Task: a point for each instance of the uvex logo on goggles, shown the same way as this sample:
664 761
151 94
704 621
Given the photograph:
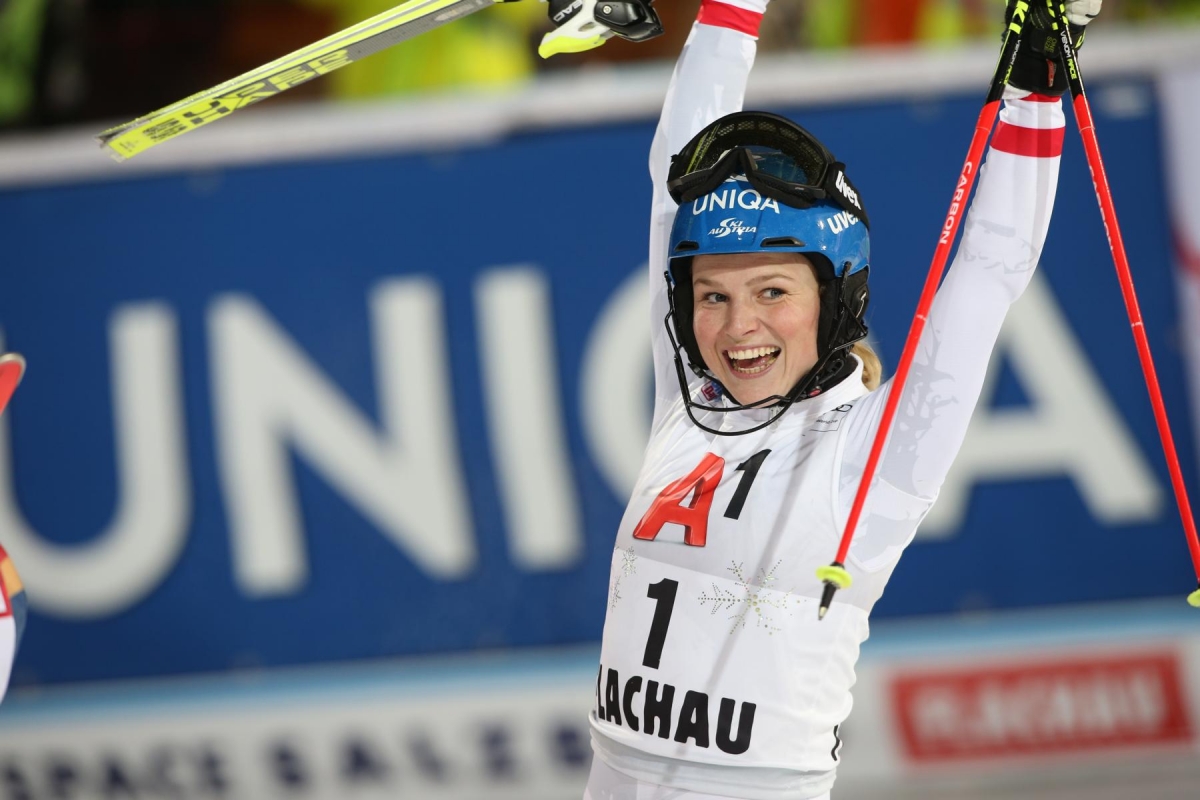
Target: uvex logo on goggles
843 185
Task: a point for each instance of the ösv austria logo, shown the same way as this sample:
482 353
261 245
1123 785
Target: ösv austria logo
731 225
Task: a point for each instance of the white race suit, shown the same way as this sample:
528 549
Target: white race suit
716 676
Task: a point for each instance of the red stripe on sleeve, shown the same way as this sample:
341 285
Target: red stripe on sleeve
723 15
1036 142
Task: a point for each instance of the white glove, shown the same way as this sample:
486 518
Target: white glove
1081 12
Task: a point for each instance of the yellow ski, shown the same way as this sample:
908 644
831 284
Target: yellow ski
354 43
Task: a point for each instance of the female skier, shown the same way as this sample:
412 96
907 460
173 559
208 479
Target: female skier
717 680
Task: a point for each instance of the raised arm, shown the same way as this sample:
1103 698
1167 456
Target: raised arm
1002 241
709 82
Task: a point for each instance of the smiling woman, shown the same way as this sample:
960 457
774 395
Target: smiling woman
755 321
795 207
767 402
780 303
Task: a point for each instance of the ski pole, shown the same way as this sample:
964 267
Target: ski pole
835 575
1091 146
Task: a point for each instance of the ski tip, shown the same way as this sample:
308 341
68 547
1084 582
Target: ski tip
1194 598
113 154
104 140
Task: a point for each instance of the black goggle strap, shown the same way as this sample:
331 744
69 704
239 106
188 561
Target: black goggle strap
839 188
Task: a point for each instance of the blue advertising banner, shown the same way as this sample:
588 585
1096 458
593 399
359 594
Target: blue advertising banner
389 405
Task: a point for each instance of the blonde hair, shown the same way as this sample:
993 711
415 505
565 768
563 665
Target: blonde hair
872 374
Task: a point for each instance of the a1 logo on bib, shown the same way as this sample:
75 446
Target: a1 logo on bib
688 501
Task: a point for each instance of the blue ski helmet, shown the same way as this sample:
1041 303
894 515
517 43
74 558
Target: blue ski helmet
754 182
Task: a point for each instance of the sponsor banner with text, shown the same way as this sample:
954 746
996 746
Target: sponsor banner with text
333 735
324 411
516 726
1042 706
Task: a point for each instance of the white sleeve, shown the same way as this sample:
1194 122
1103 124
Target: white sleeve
709 82
1002 241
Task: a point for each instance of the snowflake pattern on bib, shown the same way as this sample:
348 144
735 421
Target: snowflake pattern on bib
758 597
628 567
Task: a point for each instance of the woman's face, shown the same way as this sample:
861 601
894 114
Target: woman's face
755 319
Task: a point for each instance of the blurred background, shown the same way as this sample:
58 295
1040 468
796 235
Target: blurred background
333 407
66 61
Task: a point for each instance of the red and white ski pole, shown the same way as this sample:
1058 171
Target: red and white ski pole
1087 130
835 575
12 369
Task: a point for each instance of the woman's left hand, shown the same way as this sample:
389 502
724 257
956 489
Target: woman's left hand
1036 67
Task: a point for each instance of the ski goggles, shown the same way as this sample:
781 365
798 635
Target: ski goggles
773 154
